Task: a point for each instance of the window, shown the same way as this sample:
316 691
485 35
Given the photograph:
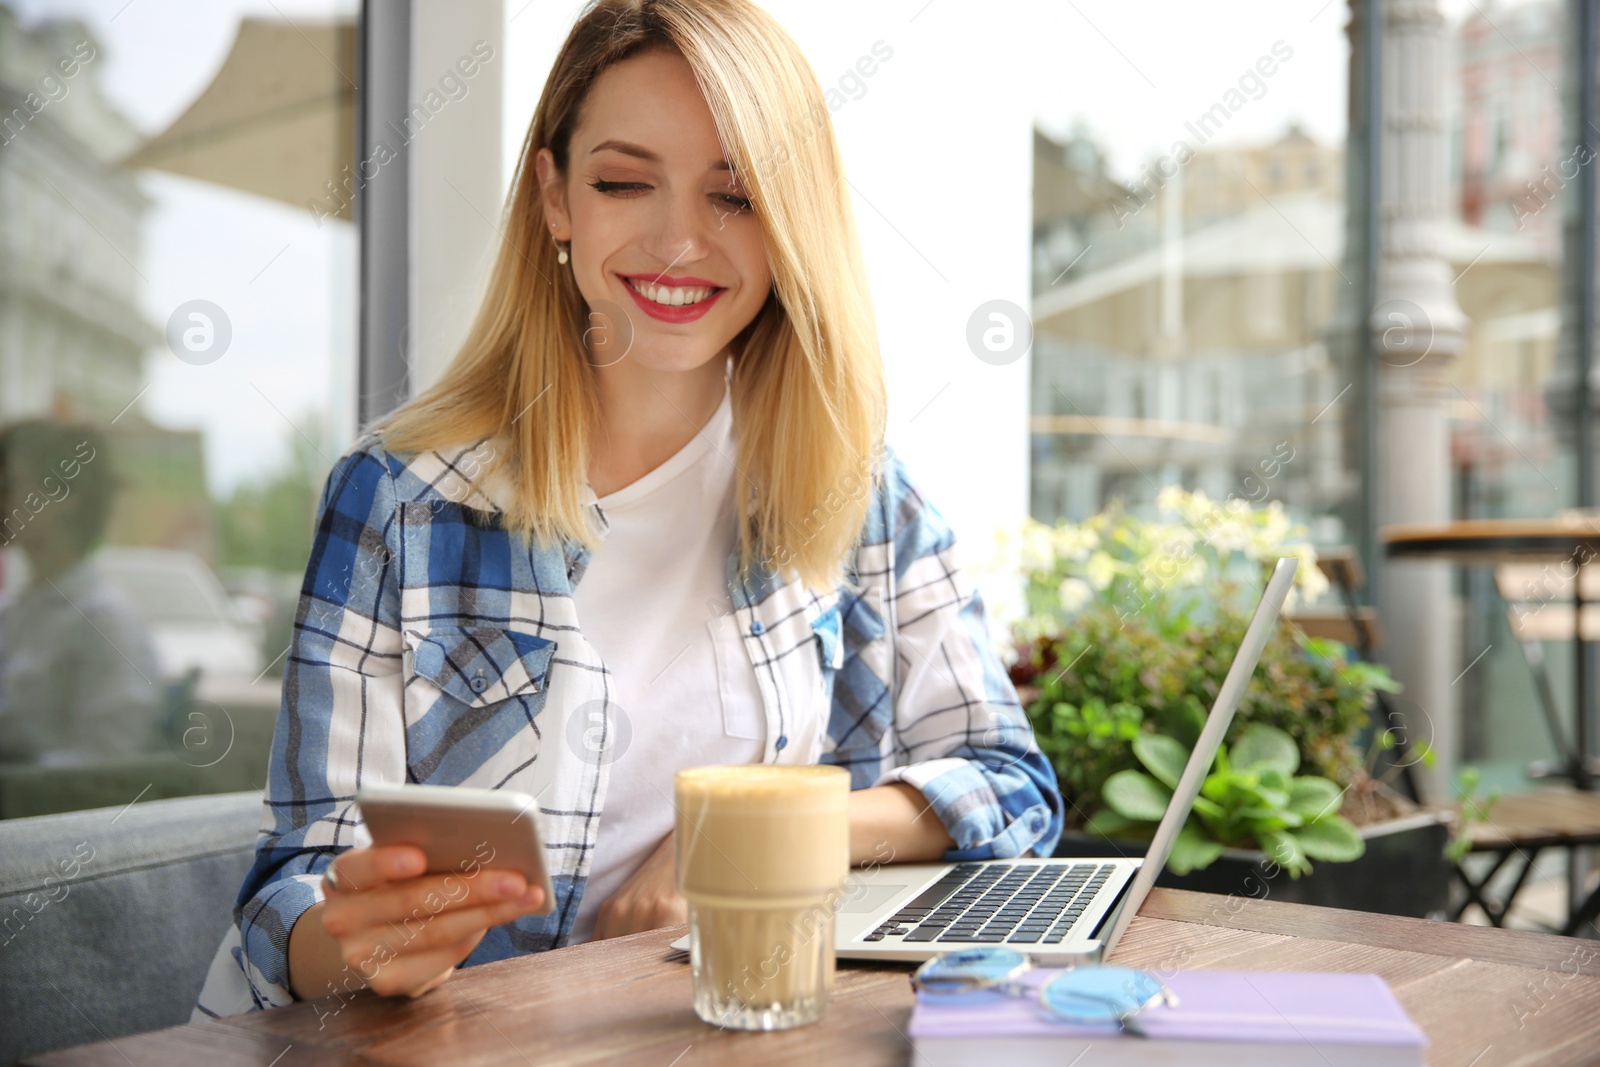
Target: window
176 354
1511 410
1205 258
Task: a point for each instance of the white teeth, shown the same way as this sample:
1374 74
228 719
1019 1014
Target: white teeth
668 296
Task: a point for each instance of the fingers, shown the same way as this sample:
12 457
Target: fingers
361 869
416 937
420 898
403 931
415 975
414 993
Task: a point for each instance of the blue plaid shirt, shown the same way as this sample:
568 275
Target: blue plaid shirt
431 646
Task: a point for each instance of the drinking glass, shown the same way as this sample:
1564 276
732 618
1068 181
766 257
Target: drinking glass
762 855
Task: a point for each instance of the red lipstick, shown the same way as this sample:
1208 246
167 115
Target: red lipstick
685 313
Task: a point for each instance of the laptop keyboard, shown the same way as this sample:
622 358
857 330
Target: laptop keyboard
998 902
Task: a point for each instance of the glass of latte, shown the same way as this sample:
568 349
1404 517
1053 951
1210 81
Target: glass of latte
762 853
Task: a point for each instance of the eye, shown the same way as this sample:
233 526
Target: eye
600 185
626 190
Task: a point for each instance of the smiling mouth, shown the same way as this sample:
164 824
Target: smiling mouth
672 296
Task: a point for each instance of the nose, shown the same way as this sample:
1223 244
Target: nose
680 231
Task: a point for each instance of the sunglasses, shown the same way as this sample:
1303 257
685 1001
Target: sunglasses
1090 994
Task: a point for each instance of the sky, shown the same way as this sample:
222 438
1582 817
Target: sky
287 283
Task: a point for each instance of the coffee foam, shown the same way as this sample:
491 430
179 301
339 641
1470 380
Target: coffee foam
759 834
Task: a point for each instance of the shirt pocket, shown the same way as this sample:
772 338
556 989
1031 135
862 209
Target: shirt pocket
469 692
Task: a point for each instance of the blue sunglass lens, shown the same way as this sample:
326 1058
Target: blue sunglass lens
1100 994
970 967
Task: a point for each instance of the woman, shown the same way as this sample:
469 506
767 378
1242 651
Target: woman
532 576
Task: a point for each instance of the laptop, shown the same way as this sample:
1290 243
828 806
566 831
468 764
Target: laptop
1058 911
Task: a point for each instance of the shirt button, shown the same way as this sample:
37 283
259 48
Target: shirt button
478 684
783 739
757 629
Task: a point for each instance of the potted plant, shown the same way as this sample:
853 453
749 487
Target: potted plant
1128 627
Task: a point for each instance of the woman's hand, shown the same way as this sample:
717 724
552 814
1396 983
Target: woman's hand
647 900
403 931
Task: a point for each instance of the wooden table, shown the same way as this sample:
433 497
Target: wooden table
1485 997
1516 829
1491 540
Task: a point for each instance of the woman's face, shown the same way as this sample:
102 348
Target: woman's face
659 226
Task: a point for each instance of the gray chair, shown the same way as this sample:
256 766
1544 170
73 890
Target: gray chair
109 918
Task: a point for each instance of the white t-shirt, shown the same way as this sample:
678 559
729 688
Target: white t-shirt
654 603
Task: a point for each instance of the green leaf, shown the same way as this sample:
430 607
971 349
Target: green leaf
1333 838
1285 850
1134 795
1192 850
1162 756
1261 743
1206 807
1487 807
1369 676
1217 787
1107 823
1322 648
1188 723
1269 818
1271 778
1276 799
1314 798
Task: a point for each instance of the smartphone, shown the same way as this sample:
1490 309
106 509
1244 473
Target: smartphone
460 829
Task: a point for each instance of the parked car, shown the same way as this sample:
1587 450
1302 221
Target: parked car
193 622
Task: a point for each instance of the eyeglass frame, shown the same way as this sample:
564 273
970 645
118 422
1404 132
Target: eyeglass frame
1007 983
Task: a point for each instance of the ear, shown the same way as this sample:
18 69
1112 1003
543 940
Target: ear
553 192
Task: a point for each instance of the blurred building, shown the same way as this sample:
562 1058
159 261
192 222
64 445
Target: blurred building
1073 196
1510 182
1220 183
71 332
73 337
1187 341
1508 121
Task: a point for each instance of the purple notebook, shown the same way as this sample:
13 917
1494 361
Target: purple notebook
1234 1006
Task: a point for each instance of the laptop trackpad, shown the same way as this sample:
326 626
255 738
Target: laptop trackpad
868 898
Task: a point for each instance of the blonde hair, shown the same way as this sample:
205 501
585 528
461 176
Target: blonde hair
807 390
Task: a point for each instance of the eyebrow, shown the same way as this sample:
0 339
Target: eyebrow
641 152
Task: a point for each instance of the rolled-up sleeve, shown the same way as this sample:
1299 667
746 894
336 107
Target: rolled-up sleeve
340 725
963 738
